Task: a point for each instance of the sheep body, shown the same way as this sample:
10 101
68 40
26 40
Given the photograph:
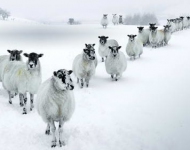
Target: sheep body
18 78
115 20
104 50
104 22
83 68
116 66
156 38
144 36
3 61
54 104
134 48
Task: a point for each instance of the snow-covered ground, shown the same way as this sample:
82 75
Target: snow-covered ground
148 109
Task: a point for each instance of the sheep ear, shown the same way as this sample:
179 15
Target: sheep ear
93 44
134 35
154 24
85 50
9 51
164 26
70 71
55 73
99 37
110 47
40 55
86 45
20 51
128 35
138 27
118 47
25 54
156 27
107 37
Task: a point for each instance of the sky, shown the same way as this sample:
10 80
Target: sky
61 10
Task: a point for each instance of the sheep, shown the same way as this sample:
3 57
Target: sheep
143 35
167 33
156 37
134 47
84 66
23 77
116 63
172 24
104 43
188 21
91 46
14 56
104 21
55 102
151 25
120 19
115 19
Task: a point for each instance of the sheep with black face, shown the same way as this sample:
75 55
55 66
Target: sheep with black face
120 19
104 44
143 35
84 66
167 34
134 47
14 55
116 63
23 77
55 103
104 21
156 37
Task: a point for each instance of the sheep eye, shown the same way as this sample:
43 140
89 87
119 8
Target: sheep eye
59 76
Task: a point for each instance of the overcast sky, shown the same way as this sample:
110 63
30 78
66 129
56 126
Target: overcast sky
61 10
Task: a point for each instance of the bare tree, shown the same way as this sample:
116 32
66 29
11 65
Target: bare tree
71 21
138 19
4 13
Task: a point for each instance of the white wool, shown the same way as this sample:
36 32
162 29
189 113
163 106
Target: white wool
144 36
83 68
134 48
104 22
104 49
3 62
115 20
116 65
17 77
53 103
167 36
156 38
173 26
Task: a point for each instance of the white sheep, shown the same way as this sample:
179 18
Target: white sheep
104 21
23 77
84 66
167 34
134 47
156 37
143 35
116 63
172 24
55 102
115 19
14 56
104 44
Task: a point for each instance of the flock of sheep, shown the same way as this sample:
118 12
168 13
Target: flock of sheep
55 100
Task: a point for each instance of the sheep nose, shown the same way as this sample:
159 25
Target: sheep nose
12 59
31 65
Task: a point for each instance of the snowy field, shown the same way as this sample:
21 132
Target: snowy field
148 109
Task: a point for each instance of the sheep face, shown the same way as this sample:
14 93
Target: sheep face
89 53
188 18
103 39
33 60
120 16
131 37
15 55
167 28
63 80
114 50
105 16
152 25
153 29
140 29
181 17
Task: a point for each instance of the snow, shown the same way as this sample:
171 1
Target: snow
147 109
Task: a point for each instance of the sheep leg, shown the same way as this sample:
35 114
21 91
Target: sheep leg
31 101
25 102
112 77
87 81
10 101
102 59
53 128
77 80
21 100
117 77
81 83
47 129
61 141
